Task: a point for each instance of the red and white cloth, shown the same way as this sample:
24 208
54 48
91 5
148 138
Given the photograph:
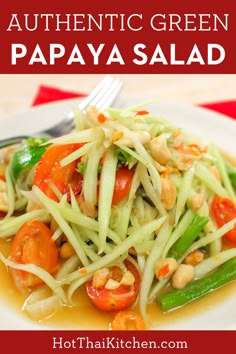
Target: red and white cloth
47 94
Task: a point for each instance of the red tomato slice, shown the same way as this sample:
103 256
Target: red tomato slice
123 319
49 171
2 214
118 299
33 245
224 210
124 177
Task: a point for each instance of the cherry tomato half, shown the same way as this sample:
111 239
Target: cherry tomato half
124 177
123 319
33 245
224 210
49 171
118 299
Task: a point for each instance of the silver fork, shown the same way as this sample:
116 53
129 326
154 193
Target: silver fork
102 96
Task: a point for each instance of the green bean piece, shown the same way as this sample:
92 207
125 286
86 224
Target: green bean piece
26 156
188 237
231 170
175 298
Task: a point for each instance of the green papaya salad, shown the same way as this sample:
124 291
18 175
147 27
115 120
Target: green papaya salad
127 207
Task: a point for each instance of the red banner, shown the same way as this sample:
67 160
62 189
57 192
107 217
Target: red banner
47 342
118 37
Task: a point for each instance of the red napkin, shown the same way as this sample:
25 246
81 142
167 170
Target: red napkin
225 107
49 94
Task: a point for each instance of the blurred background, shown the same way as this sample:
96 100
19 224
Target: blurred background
17 92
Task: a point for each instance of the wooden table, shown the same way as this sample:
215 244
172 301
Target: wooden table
17 91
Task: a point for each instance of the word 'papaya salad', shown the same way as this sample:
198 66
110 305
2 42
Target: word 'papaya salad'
128 207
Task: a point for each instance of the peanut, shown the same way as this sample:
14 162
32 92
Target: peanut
197 201
182 276
66 250
169 194
171 263
100 277
143 136
194 258
159 150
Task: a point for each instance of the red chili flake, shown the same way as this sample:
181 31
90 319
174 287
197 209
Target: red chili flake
163 271
102 118
142 113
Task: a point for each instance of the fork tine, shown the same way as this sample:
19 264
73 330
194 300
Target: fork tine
108 97
102 96
97 93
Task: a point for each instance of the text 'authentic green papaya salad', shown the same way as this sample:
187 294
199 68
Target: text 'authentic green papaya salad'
126 207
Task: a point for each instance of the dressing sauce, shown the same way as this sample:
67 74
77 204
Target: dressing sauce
86 316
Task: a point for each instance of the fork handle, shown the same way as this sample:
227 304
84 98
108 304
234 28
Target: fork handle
12 141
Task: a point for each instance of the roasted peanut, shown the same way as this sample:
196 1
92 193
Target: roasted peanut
143 136
184 162
169 194
66 250
100 277
197 201
165 267
112 284
159 150
127 279
182 276
194 258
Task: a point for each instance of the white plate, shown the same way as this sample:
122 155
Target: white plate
212 127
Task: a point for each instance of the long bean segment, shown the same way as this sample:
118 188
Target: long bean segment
225 274
223 172
231 171
189 236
